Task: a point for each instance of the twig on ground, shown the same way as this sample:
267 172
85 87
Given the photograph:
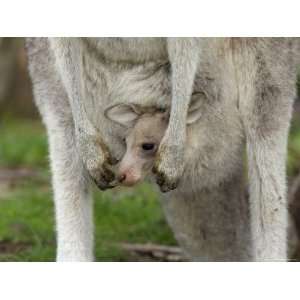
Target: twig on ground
160 252
14 174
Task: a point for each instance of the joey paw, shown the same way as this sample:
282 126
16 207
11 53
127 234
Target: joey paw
97 160
103 176
169 167
165 184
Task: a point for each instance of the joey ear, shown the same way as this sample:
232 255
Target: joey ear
123 114
194 112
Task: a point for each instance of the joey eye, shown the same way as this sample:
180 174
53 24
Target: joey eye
148 146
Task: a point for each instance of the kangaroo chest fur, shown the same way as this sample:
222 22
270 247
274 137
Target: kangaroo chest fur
129 50
128 70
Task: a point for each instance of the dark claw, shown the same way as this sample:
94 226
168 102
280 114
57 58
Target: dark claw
160 179
167 188
107 174
113 161
103 185
100 184
154 170
174 185
164 189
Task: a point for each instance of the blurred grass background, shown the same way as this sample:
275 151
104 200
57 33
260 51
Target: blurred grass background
27 230
26 207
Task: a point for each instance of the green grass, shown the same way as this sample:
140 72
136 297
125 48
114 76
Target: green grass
22 143
27 230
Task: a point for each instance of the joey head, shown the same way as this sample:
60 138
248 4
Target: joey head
145 129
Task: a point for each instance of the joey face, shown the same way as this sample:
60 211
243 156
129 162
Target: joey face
145 128
142 143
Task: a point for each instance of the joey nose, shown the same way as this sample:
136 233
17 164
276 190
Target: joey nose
121 178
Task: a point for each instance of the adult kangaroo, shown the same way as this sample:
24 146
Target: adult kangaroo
244 88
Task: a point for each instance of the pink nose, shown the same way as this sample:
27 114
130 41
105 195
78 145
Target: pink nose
128 178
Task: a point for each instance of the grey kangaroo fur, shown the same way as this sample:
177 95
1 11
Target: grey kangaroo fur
245 89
